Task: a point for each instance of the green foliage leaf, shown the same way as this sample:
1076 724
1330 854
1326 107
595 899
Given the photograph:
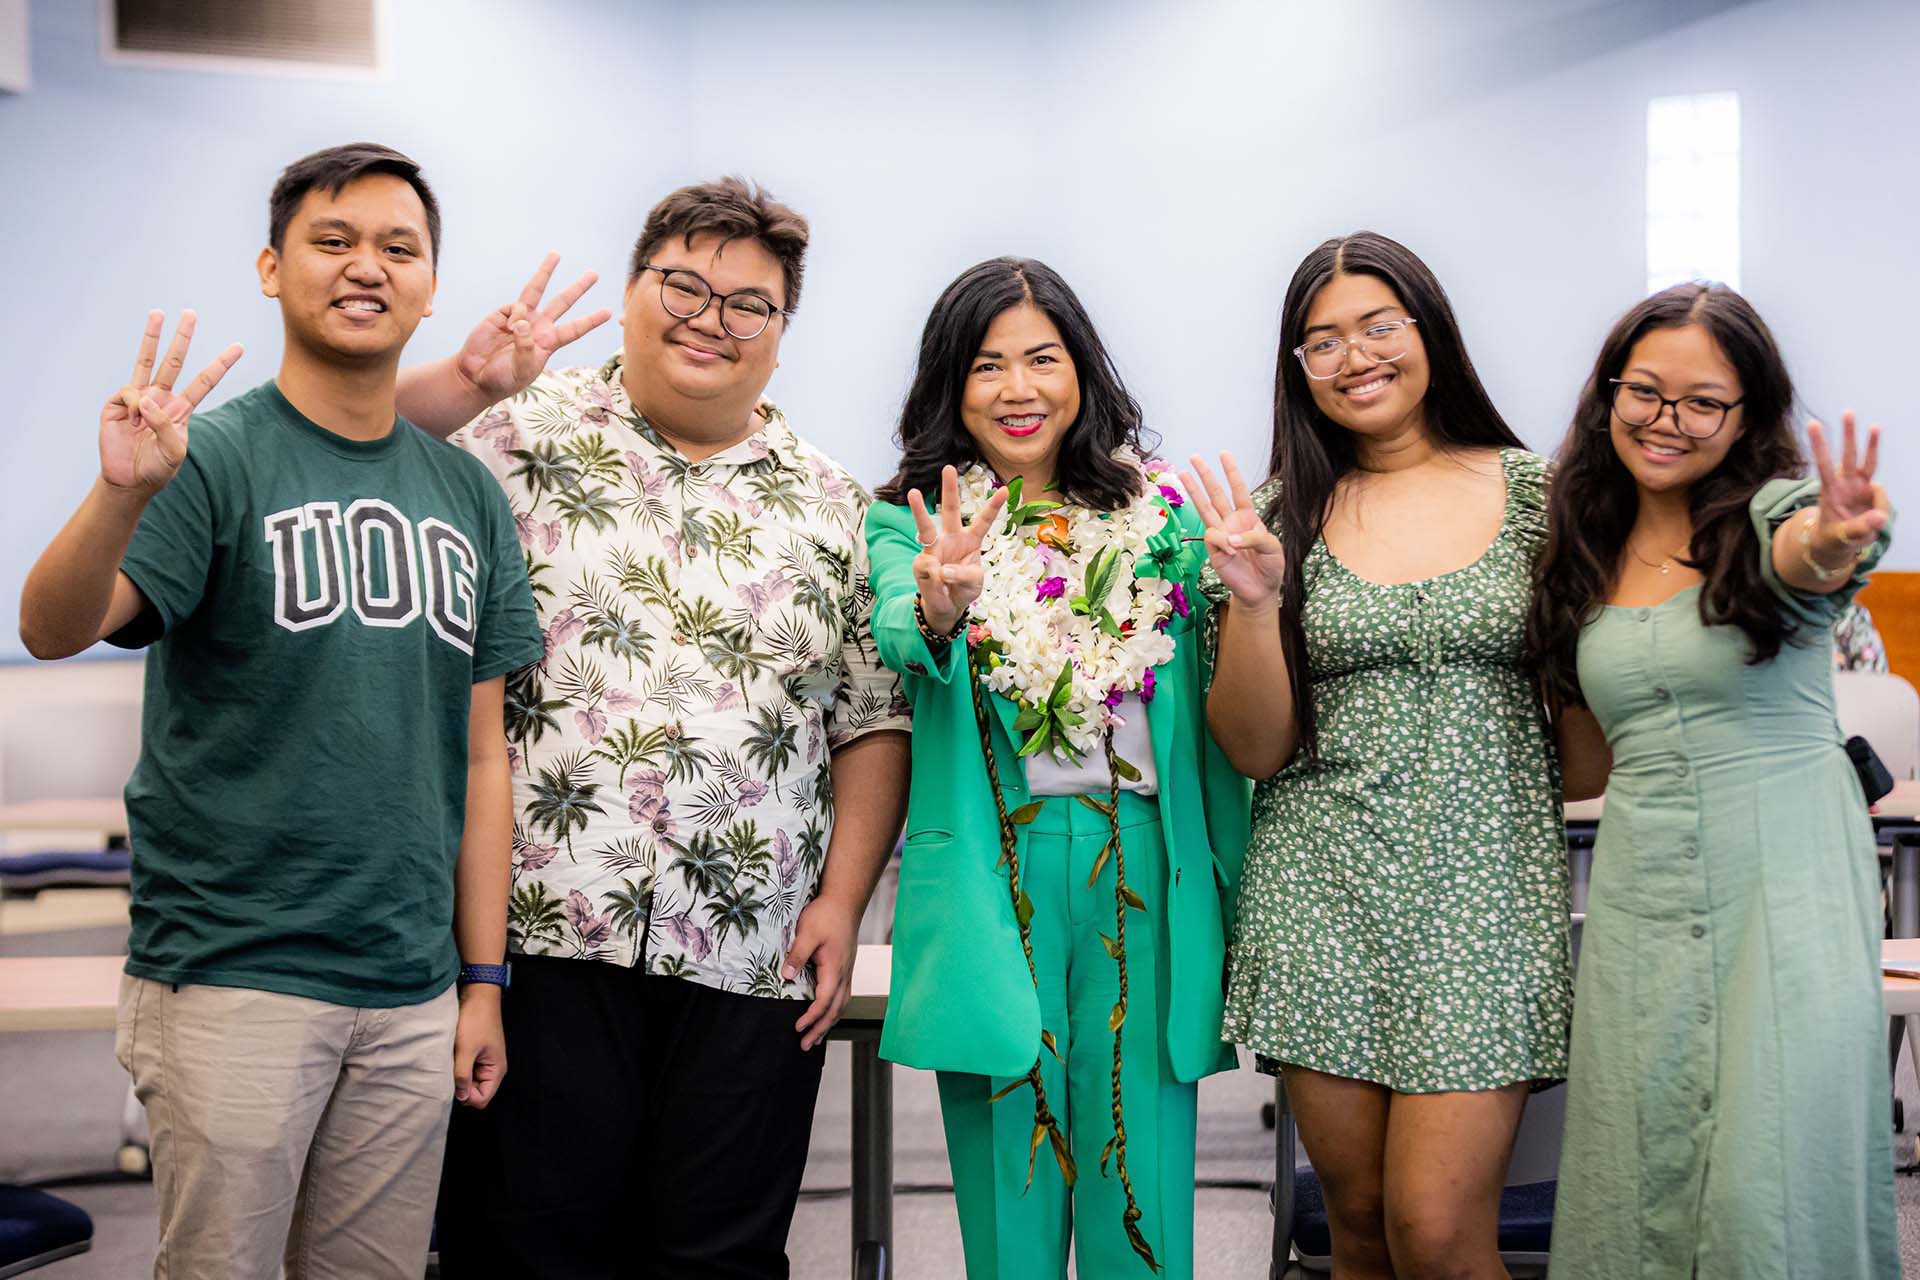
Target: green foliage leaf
1132 899
1141 1247
1118 1016
1029 718
1114 949
1098 806
1100 576
1069 1172
1026 813
1126 771
1106 1153
1099 863
1001 1093
1046 1038
1038 739
1023 909
1033 1150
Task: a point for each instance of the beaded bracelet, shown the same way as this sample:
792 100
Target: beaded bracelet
934 638
1819 571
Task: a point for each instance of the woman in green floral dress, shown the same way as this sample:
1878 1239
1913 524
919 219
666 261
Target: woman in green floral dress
1401 952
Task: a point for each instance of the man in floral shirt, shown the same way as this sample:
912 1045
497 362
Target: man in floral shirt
709 767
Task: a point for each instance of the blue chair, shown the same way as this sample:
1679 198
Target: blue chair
1526 1223
36 1228
28 873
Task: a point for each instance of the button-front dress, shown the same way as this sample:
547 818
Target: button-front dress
1727 1111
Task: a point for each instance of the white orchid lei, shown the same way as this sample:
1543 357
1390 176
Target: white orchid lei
1062 625
1063 581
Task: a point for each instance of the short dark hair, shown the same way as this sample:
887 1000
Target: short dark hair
734 209
931 434
333 169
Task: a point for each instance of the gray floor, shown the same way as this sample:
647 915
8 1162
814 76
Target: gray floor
60 1096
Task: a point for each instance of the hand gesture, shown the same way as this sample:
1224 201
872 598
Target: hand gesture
479 1048
507 350
826 935
1853 509
948 569
1243 551
143 427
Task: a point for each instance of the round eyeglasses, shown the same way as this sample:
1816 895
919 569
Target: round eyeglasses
685 295
1696 417
1381 341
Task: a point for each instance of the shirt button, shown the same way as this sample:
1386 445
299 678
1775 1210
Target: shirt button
1705 1016
1690 849
680 637
1680 770
693 553
1706 1102
1643 615
1662 692
1699 931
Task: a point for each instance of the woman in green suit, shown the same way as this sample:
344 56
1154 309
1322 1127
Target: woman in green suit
1074 835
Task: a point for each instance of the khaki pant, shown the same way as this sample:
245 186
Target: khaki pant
289 1128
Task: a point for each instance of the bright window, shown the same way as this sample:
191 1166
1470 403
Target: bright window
1693 189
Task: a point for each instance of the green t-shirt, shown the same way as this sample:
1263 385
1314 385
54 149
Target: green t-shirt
322 609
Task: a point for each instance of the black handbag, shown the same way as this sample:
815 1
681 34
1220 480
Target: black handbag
1875 781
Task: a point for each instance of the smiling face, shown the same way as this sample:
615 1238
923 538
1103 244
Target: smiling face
691 378
1021 396
1369 397
1676 364
354 270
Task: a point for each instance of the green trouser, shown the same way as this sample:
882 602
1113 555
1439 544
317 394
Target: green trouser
1011 1234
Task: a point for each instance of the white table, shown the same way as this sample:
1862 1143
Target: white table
80 993
104 814
62 993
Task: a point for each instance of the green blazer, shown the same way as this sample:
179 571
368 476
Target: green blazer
962 999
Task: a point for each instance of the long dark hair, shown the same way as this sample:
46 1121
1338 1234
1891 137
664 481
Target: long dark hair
1311 452
1594 499
931 435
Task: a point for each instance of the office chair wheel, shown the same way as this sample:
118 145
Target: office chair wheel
133 1160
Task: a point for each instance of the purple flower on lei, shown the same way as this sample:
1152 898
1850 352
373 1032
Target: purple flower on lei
1114 696
1178 598
1146 687
1051 589
1172 495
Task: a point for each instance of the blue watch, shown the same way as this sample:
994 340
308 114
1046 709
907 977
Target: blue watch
497 975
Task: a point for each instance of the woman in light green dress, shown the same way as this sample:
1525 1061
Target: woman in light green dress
1401 949
1727 1106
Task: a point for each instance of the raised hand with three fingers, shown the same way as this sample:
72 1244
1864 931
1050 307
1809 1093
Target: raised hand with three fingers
511 345
1853 509
143 426
1243 551
948 569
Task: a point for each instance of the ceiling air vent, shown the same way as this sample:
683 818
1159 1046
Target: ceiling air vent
298 37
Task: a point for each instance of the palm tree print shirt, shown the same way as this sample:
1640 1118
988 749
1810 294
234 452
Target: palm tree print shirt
708 643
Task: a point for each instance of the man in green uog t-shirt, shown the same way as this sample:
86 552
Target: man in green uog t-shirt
320 816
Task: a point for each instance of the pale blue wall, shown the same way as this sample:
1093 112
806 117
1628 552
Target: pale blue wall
1502 139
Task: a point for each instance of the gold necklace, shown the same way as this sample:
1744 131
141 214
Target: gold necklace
1665 566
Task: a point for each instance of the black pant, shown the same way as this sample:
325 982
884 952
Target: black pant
647 1127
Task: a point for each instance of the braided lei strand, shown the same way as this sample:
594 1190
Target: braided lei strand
1046 593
